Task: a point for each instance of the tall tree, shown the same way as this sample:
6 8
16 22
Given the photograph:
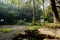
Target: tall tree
55 12
35 3
33 12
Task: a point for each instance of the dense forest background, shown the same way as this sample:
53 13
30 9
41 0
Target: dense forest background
19 12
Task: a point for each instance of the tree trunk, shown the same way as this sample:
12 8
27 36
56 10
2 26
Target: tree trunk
33 21
55 12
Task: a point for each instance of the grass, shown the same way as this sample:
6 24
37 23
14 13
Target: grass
33 27
53 25
5 30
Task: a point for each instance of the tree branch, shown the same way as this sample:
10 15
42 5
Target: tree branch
58 6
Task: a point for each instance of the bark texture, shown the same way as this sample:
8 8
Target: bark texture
55 12
33 21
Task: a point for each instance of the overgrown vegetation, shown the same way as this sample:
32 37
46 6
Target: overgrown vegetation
21 13
5 30
33 28
53 25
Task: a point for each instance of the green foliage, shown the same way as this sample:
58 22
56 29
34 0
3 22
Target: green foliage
13 14
38 23
28 24
52 25
15 2
20 22
16 15
33 27
48 14
5 30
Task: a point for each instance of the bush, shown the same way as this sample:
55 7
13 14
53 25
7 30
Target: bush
28 24
37 22
20 22
33 27
5 30
52 25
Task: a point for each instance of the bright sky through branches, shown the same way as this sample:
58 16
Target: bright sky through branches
46 3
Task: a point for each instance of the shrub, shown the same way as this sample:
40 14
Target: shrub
5 30
29 24
20 22
52 25
33 27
